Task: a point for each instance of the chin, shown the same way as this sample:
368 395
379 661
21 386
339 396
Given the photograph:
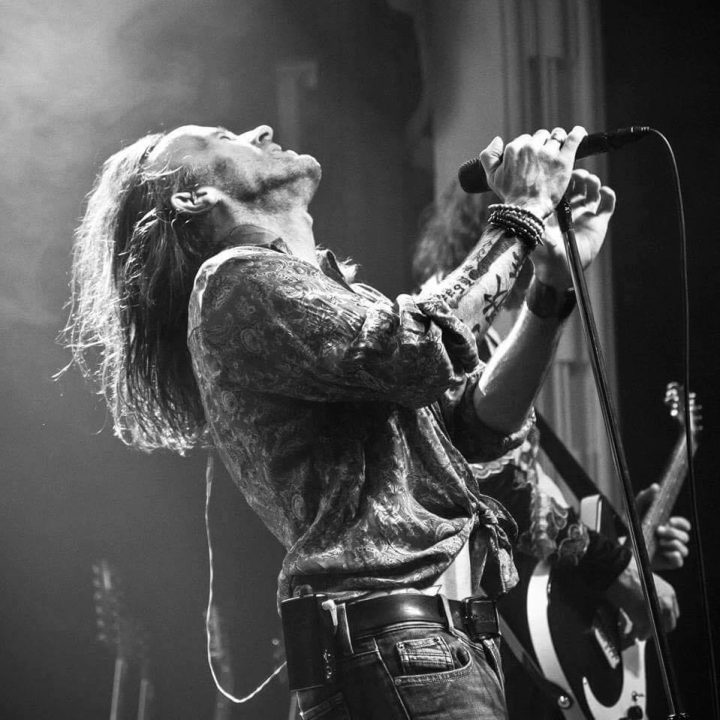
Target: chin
310 165
307 169
299 174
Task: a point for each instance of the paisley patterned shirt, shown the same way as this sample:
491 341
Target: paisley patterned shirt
346 419
548 530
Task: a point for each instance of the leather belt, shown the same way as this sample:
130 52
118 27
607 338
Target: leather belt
475 616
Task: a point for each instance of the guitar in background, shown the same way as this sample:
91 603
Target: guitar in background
127 638
598 514
572 642
220 656
223 665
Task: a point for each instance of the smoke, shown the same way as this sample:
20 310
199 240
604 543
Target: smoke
80 78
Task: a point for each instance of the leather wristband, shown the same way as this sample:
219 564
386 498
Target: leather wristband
545 301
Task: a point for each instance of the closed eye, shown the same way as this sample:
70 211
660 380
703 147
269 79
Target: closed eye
225 134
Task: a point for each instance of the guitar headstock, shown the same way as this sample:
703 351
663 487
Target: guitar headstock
116 629
675 402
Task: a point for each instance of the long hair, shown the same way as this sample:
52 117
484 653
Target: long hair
134 264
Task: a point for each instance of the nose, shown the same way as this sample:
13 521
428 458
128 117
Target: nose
262 135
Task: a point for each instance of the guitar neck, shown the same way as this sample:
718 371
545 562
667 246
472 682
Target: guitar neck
119 691
146 695
670 486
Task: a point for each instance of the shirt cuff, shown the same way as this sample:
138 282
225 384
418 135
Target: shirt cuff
603 561
477 441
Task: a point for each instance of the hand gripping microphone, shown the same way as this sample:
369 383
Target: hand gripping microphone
472 175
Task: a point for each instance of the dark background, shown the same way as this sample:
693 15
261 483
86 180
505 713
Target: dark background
662 70
71 493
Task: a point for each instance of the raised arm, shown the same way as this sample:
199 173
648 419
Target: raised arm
532 173
522 360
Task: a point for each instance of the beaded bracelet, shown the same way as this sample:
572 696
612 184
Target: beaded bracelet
520 222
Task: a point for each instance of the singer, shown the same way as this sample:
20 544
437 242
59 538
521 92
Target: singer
209 317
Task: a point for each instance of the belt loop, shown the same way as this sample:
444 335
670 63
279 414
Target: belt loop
343 630
448 614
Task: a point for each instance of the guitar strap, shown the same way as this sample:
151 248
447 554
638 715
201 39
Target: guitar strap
572 473
552 692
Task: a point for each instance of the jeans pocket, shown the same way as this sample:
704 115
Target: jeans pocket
431 660
316 704
450 677
424 655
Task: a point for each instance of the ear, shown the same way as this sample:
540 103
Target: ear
196 202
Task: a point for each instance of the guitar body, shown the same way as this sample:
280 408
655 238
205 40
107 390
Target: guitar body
579 653
575 639
580 636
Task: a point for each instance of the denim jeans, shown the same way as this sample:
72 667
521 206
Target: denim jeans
412 671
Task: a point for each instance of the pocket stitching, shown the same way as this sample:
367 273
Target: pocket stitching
431 655
436 677
334 702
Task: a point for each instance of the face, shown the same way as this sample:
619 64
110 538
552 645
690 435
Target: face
247 165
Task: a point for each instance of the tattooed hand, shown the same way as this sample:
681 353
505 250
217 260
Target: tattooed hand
592 207
532 171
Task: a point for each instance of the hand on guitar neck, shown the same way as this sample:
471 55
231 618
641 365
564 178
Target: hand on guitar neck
666 537
671 549
671 539
670 546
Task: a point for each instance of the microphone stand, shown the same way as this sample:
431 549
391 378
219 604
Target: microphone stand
565 221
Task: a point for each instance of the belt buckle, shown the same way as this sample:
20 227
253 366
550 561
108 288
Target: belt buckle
480 616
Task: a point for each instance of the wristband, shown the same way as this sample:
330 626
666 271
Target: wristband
544 301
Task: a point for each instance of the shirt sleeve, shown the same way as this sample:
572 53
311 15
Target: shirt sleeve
477 441
549 531
273 322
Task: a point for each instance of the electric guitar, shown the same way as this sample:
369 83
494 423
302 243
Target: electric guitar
574 641
127 638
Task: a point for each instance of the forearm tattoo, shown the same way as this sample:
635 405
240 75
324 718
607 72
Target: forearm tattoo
476 290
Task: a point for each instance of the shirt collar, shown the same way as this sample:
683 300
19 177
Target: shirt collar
248 234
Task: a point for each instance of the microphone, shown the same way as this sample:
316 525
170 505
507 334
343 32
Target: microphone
472 174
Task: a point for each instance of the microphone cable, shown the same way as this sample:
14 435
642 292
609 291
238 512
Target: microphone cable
697 545
209 477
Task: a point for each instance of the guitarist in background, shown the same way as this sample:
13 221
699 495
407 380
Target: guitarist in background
548 528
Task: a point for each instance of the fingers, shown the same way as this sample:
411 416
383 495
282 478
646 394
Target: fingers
668 604
669 533
645 497
551 140
492 155
586 188
607 201
558 135
672 544
534 171
587 194
573 140
670 612
541 136
680 523
673 547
